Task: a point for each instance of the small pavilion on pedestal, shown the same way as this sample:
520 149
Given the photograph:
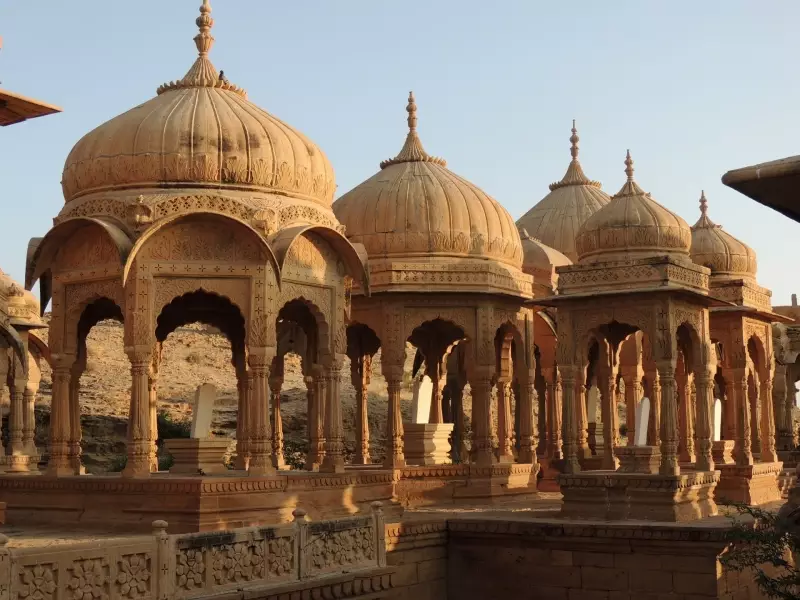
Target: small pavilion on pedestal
635 284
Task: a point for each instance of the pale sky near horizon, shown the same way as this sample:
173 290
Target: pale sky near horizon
692 88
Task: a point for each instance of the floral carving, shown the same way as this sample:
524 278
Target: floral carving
280 556
238 562
90 248
89 580
341 548
169 288
203 242
133 579
78 295
190 569
38 582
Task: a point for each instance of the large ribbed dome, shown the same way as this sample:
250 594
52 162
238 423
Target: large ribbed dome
200 130
556 218
632 226
713 247
416 207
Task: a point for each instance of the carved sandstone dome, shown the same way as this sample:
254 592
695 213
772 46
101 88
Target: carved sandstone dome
540 261
632 226
713 247
199 131
556 218
21 305
416 207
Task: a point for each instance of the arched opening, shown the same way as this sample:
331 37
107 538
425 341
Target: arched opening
202 333
368 413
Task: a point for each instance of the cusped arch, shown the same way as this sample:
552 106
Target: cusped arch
323 327
196 215
40 347
355 261
42 252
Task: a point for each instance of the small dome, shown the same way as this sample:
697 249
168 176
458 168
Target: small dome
632 226
713 247
556 218
416 207
200 130
22 307
541 261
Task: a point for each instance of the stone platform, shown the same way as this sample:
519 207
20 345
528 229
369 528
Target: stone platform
750 484
191 504
611 495
465 484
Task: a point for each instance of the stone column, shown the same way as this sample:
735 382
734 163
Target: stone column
153 407
505 452
685 441
436 415
704 384
768 453
138 464
554 424
260 445
18 461
29 419
528 426
753 386
669 418
395 457
607 385
543 429
581 390
783 411
632 377
275 386
729 427
334 434
481 385
360 370
572 400
243 418
458 450
736 386
76 431
58 463
654 394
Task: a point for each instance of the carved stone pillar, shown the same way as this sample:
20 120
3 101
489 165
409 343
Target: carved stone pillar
581 391
395 457
76 431
685 437
505 452
334 431
768 453
29 419
243 419
275 385
753 388
607 383
654 394
669 418
786 438
436 414
260 435
481 385
458 450
704 384
528 428
316 387
18 460
736 386
58 451
572 399
138 464
155 363
632 378
555 423
360 371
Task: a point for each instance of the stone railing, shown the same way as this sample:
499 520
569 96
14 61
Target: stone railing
192 566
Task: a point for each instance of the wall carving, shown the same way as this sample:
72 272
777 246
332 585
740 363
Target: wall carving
79 295
169 288
89 248
204 241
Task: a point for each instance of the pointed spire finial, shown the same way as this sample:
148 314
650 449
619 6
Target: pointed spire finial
703 203
204 40
629 166
412 112
574 139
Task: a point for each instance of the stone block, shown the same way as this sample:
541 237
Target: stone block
695 583
638 459
597 578
561 558
588 595
593 559
551 593
427 443
432 569
568 577
404 575
650 581
198 456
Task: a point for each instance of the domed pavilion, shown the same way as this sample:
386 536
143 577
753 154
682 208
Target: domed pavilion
635 296
743 333
198 205
445 265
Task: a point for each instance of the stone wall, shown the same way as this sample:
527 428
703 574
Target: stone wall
490 559
417 554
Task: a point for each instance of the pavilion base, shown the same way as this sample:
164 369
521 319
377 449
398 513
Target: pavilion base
465 484
427 443
750 484
611 495
191 504
550 469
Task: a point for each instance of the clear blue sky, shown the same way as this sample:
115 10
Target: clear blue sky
692 88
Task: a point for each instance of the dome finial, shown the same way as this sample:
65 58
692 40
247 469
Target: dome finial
412 112
574 139
704 221
629 166
204 39
703 203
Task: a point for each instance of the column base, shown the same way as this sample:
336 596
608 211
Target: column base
21 463
550 469
427 443
722 452
394 462
198 456
638 459
638 496
749 484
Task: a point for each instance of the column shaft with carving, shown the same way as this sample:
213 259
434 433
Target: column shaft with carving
76 431
18 459
737 388
155 363
395 456
768 453
316 387
654 422
685 442
783 410
669 417
360 371
242 419
260 435
554 399
275 386
632 378
753 394
58 451
704 384
481 385
607 382
138 464
581 398
334 431
505 428
529 422
29 418
569 379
